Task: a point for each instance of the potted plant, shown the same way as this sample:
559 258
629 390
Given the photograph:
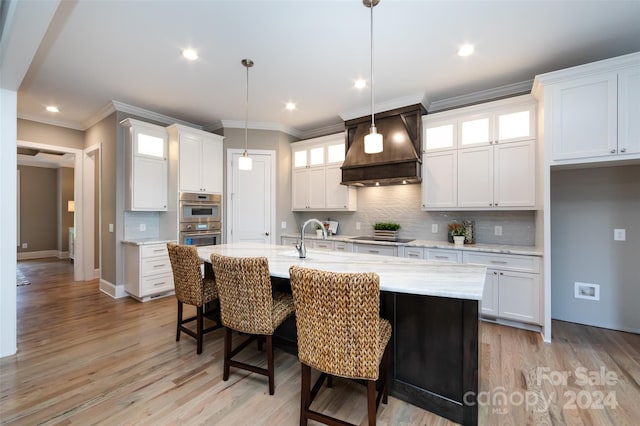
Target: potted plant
457 231
318 230
386 231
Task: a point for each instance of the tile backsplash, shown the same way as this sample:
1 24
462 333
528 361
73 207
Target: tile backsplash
150 221
402 204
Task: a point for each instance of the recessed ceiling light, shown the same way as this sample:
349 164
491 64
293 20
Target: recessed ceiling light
190 54
360 84
465 50
52 108
290 106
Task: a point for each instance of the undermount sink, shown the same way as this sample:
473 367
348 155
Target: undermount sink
374 239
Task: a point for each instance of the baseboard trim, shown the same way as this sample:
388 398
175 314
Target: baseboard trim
27 255
116 292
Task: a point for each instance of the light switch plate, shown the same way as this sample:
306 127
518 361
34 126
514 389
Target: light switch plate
497 230
283 225
111 227
143 227
434 228
620 235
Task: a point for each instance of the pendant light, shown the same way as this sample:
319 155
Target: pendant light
245 162
372 141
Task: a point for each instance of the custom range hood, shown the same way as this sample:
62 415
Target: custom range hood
399 162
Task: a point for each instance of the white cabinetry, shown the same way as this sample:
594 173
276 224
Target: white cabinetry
316 175
512 287
146 168
480 157
147 271
443 255
592 112
199 159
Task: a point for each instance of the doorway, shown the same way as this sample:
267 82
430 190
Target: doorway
251 209
86 178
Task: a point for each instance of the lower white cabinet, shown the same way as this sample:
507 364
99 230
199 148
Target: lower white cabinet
147 271
443 255
512 288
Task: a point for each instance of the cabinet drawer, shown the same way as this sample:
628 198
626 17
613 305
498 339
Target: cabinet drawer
510 262
341 246
154 250
156 284
155 265
442 255
321 244
376 249
414 252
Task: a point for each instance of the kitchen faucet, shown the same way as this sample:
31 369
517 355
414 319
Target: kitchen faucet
302 250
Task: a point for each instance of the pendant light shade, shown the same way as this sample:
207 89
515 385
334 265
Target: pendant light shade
373 141
245 162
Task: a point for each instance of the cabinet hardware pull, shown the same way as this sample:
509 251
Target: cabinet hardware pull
613 151
623 150
159 266
157 284
440 257
266 233
374 251
499 262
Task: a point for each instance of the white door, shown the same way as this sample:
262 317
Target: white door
251 198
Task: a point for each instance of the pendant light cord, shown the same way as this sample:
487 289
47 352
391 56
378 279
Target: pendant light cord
246 116
373 124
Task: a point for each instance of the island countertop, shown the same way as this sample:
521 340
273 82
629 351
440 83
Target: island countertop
399 275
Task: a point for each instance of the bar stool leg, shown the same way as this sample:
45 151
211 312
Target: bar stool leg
270 367
227 354
371 401
199 328
305 393
179 321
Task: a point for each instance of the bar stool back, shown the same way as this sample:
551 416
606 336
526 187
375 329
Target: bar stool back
248 306
340 333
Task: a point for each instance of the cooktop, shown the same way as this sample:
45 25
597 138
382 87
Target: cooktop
398 240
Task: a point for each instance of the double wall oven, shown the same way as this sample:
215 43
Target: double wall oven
200 218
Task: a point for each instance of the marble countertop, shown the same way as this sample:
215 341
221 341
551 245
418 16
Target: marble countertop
145 241
487 248
397 274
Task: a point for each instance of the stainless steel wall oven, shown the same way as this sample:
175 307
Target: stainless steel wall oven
200 219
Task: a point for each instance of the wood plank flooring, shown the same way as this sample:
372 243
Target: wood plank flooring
84 358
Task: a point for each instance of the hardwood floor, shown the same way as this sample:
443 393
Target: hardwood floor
84 358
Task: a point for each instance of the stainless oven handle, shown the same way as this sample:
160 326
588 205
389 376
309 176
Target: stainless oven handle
199 234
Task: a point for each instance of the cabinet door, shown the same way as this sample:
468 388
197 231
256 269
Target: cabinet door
440 184
629 111
584 117
440 135
514 174
316 190
149 184
211 166
443 255
490 301
190 161
475 177
519 296
476 130
376 249
515 124
337 196
300 189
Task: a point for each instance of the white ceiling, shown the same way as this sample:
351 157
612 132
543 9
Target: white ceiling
308 52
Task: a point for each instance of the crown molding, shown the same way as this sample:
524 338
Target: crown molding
481 96
52 122
214 125
327 130
237 124
114 106
383 106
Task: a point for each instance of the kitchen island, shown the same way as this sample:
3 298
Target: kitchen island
433 309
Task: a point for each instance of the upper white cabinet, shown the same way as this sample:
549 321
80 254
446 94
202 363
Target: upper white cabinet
316 175
199 159
592 112
146 167
480 157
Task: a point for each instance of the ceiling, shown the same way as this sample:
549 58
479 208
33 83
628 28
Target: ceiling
307 52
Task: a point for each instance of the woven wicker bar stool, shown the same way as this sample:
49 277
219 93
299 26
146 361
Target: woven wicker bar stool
248 306
340 333
191 288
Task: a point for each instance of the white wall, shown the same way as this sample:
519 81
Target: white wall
586 206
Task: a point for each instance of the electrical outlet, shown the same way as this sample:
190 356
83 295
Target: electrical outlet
143 227
357 226
111 227
434 228
586 291
283 225
620 235
497 230
24 245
